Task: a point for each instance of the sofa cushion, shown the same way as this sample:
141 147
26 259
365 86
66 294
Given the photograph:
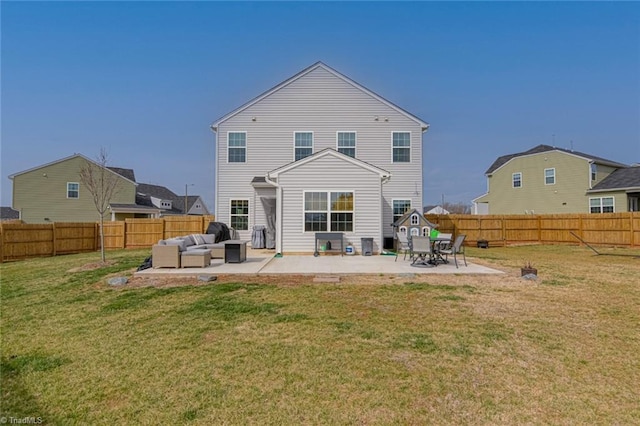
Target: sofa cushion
209 238
182 244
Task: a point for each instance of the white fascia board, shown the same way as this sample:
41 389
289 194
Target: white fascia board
328 151
69 158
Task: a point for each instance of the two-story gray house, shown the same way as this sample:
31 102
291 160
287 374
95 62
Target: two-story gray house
318 153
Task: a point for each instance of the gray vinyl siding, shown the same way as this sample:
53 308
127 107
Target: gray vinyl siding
342 176
324 104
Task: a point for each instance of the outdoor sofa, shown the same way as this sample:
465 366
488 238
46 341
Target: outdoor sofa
188 250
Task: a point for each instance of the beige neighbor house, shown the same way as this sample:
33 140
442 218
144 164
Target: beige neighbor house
550 180
318 153
53 193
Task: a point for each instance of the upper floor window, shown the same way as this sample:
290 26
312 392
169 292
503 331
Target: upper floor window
240 215
400 207
401 147
347 143
415 220
303 145
601 205
73 190
237 147
594 171
549 176
517 180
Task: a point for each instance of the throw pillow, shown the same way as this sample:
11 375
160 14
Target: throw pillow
197 239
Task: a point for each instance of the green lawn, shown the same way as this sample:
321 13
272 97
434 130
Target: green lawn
391 350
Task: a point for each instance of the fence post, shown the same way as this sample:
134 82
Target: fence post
1 243
53 236
631 239
539 229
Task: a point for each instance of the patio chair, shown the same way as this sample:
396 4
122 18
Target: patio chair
403 245
456 249
421 250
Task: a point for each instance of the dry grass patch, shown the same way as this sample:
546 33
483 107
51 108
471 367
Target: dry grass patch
284 350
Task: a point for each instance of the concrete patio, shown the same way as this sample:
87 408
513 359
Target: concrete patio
263 262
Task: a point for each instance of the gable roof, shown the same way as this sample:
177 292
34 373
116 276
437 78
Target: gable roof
501 161
126 175
627 178
329 152
7 213
306 71
410 213
146 190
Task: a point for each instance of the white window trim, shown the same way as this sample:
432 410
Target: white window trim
602 203
248 212
425 231
355 148
402 230
410 150
392 208
416 221
245 148
415 232
513 180
73 183
545 176
313 142
329 211
593 172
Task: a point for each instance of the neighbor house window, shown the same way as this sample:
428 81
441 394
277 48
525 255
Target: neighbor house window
237 147
347 143
594 171
73 190
401 147
303 142
549 176
517 180
601 205
400 207
240 215
328 211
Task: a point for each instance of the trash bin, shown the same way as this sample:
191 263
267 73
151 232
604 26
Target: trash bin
367 246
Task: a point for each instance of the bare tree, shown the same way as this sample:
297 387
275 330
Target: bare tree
103 185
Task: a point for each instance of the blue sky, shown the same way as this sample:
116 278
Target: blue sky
146 79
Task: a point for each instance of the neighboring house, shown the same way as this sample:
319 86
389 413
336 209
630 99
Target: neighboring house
7 213
550 180
613 192
435 210
53 193
170 203
324 154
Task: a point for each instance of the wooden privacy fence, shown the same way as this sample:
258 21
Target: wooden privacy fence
612 229
20 240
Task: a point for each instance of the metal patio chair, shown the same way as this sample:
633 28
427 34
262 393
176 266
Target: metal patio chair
456 249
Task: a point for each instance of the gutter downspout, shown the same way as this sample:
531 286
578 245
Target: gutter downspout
385 179
278 214
214 130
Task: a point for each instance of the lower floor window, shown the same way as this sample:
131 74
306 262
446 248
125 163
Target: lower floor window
400 207
240 215
601 205
328 211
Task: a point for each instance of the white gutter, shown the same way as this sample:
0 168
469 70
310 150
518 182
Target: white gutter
215 148
278 213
